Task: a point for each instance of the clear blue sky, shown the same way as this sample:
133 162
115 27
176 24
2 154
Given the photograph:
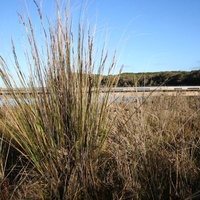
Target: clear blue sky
149 35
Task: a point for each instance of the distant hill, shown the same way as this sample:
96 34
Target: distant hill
174 78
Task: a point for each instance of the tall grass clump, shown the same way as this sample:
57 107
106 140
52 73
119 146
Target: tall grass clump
59 124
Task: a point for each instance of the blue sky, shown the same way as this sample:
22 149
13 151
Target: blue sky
149 35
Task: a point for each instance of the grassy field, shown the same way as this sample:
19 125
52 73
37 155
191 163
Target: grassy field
138 150
66 144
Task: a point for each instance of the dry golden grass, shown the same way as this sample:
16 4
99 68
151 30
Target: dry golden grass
151 152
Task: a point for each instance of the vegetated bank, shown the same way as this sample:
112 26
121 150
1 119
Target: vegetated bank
173 78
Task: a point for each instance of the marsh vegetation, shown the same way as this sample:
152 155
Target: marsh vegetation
66 144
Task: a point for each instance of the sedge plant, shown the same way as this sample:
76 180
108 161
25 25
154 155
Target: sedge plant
57 119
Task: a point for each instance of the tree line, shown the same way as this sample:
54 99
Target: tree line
173 78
